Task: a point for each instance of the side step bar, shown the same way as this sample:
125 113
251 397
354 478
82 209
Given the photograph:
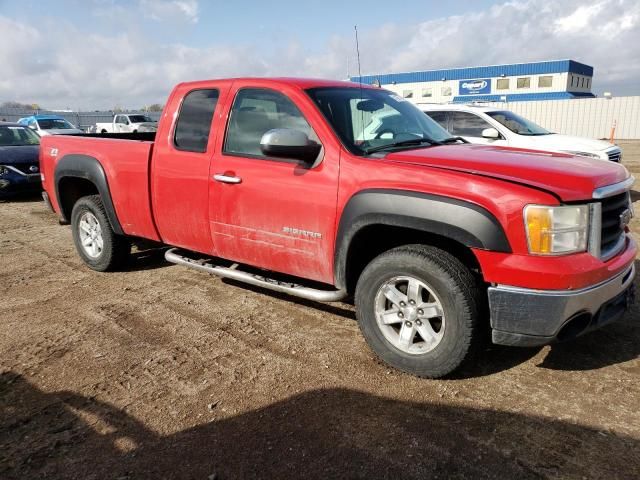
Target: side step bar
296 290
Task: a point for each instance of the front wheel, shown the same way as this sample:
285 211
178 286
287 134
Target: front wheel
96 242
418 309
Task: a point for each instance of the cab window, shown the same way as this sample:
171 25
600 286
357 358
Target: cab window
440 117
255 111
194 120
466 124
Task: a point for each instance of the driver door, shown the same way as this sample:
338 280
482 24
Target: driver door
273 213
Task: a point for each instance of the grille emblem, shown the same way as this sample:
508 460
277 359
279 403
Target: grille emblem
33 169
625 218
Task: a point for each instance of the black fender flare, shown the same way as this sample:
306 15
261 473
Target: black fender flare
88 168
462 221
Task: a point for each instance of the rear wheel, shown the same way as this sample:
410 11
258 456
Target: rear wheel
96 242
418 309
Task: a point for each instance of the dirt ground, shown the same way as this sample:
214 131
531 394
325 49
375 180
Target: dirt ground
165 372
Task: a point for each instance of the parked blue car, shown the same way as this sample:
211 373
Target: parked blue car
49 125
19 163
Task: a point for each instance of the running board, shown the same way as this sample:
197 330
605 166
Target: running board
257 280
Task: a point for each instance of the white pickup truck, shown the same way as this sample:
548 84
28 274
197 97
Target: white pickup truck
128 123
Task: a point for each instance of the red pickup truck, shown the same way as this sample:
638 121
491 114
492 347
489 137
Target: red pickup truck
332 190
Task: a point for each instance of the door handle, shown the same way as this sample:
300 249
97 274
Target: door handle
221 177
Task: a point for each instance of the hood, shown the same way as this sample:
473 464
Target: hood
571 143
25 154
570 178
61 131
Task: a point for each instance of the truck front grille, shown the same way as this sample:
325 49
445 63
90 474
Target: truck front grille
612 231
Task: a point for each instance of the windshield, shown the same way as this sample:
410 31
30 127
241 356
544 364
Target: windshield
139 119
369 119
11 136
517 124
54 124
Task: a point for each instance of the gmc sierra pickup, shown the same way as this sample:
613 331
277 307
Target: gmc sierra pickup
331 190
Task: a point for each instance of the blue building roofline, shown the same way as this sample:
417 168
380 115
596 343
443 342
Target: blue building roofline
522 97
509 70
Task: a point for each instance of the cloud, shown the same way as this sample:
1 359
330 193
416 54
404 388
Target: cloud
163 10
102 71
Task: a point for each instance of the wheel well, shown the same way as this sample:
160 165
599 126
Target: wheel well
372 240
70 190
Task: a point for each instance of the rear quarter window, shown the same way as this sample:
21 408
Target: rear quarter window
194 120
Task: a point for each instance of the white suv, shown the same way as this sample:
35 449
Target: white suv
495 126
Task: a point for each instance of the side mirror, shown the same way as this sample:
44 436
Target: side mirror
289 143
490 133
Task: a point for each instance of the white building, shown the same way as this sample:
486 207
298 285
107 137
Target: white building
552 80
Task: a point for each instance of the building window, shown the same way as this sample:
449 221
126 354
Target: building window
545 82
503 84
582 83
588 82
426 93
446 91
407 93
524 82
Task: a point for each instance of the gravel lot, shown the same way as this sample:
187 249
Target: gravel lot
164 372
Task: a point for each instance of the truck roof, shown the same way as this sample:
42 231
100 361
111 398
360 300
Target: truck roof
302 83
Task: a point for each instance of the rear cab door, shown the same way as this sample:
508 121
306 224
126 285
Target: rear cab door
274 213
180 179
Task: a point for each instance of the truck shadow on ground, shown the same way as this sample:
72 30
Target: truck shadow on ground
635 196
22 197
147 258
320 434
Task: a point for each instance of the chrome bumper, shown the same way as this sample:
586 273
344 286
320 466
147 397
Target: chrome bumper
526 317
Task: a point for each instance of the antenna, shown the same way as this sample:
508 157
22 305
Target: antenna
355 28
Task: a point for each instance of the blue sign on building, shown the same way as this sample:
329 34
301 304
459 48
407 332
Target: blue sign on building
475 87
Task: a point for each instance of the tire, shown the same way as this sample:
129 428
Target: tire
96 242
445 331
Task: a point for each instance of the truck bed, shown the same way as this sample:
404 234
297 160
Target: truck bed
125 159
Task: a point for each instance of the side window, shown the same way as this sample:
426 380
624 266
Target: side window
255 111
440 117
194 120
467 124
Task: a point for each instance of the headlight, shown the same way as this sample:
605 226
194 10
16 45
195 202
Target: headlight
585 154
556 230
3 171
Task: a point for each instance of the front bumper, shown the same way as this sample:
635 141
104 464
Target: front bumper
16 181
529 317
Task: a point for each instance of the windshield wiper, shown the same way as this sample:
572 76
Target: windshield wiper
454 139
403 143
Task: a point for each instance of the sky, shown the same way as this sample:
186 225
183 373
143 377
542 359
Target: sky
102 54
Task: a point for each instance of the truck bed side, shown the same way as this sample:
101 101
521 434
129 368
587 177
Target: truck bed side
126 168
